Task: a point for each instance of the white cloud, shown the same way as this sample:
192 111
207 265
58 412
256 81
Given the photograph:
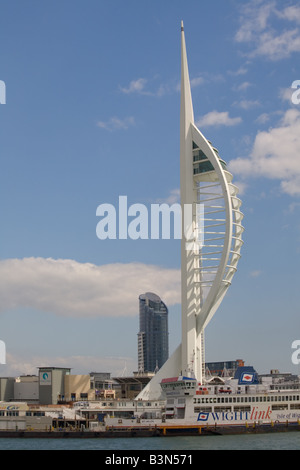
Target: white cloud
291 13
263 118
243 86
293 206
247 104
172 198
196 81
255 273
17 365
139 87
275 154
135 86
240 71
253 20
72 289
216 118
258 29
280 46
242 186
116 123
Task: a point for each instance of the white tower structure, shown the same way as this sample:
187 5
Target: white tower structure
211 241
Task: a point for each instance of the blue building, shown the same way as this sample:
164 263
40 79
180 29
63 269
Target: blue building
153 337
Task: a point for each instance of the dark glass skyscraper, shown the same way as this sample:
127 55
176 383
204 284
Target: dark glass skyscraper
153 340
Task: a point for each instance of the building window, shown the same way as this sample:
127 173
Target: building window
12 413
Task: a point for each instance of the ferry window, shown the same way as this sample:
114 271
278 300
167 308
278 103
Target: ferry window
242 408
222 408
295 406
204 409
279 407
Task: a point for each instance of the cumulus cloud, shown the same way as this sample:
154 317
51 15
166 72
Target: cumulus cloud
68 288
216 118
275 154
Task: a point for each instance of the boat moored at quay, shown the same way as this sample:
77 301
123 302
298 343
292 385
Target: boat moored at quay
245 400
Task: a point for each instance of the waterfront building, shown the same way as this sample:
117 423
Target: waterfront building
104 386
131 386
6 388
26 388
153 339
51 384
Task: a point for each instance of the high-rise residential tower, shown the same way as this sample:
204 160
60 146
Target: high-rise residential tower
211 240
153 340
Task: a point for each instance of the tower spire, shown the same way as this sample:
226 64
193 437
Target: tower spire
186 106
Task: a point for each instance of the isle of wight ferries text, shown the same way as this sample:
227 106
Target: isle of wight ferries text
254 415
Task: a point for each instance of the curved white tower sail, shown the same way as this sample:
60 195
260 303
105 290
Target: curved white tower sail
211 241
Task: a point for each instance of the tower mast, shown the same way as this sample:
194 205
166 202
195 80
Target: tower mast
190 291
208 264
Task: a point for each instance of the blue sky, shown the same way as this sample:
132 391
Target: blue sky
92 113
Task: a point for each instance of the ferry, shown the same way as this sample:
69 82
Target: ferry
241 400
245 399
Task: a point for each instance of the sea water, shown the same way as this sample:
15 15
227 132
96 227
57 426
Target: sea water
278 441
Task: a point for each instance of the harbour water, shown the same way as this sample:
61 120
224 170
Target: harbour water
278 441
